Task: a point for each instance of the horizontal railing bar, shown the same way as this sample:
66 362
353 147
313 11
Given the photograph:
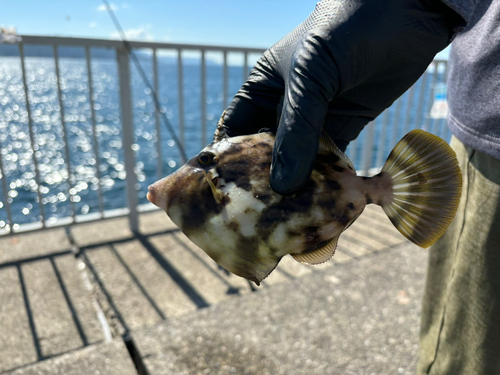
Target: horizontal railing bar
147 207
67 41
79 219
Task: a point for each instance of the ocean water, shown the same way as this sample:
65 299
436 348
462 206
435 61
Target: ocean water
77 190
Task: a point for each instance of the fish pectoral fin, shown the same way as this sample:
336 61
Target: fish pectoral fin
318 255
217 193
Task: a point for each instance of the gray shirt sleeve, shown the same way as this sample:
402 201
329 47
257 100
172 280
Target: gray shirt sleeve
474 81
463 7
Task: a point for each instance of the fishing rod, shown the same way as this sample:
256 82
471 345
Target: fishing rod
138 66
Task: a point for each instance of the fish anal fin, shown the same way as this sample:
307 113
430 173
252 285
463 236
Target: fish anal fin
317 256
328 146
263 270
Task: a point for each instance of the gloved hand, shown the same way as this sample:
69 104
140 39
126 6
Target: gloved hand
338 70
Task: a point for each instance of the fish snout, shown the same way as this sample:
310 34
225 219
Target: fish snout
152 194
160 192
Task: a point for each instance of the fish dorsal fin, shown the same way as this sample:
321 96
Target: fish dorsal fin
328 146
318 256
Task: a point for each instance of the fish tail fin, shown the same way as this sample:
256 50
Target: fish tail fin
427 185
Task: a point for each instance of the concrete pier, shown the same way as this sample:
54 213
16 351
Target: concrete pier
99 300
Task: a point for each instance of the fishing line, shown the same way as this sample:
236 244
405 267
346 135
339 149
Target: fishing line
145 80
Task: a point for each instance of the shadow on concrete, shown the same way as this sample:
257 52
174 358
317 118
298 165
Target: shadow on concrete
82 254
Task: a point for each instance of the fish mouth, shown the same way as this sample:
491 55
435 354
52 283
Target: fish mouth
151 196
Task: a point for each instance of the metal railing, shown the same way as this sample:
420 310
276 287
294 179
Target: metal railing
75 121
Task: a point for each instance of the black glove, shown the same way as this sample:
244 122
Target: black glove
338 70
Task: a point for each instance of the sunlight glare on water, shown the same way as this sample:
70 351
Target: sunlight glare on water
96 169
60 191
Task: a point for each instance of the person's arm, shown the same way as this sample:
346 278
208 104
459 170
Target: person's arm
338 70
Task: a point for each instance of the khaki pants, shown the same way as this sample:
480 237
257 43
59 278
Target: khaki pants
460 328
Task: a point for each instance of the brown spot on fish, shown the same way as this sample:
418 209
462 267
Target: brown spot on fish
226 199
263 197
333 185
195 214
368 199
234 226
343 219
329 159
293 233
281 212
328 204
245 186
312 236
338 168
350 206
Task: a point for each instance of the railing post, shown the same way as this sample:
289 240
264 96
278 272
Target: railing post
128 135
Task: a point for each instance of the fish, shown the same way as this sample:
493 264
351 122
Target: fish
221 199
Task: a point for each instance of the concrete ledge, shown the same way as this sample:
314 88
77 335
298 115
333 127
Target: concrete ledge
53 303
107 359
353 318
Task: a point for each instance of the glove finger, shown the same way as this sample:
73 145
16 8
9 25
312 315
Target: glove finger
255 105
305 105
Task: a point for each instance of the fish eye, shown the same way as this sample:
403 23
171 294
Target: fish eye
206 158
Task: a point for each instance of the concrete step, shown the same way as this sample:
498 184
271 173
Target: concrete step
16 346
154 278
53 303
33 245
359 317
46 310
111 358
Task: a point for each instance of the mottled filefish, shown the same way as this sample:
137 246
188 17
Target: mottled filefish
222 201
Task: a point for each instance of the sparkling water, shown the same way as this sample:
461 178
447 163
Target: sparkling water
65 187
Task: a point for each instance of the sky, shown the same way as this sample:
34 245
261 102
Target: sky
244 23
256 23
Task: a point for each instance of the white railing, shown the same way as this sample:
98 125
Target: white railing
368 152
